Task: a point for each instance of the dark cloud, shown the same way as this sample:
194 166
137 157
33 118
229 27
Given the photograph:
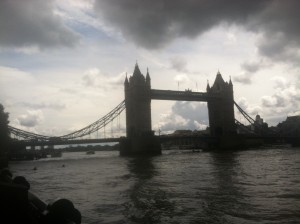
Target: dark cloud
244 78
279 39
253 66
279 24
249 69
154 24
179 64
273 101
31 118
32 23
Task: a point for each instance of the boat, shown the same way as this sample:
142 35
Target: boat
90 152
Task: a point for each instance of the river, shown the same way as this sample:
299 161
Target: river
252 186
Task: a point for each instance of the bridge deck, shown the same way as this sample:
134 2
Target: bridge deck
68 142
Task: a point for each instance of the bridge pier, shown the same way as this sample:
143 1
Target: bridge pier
142 145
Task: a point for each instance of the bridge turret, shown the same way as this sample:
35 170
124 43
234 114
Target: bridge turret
137 77
219 83
140 137
221 110
138 103
126 83
148 80
207 87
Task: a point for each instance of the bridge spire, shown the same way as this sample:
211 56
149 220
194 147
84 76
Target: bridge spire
221 113
207 86
137 71
148 80
126 83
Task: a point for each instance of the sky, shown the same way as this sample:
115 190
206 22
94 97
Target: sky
63 63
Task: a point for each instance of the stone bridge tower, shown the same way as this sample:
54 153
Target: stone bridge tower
140 137
138 103
221 108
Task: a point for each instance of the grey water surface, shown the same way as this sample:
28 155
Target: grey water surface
252 186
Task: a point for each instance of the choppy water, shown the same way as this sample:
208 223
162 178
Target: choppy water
254 186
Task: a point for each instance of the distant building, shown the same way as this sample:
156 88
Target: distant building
259 127
290 127
182 132
259 120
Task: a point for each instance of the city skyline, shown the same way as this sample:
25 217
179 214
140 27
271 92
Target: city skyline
63 64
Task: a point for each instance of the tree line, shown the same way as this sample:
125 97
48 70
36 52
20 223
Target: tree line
4 137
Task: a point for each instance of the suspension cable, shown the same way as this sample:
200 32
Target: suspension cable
88 130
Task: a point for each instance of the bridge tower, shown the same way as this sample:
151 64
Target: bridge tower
221 110
140 137
138 103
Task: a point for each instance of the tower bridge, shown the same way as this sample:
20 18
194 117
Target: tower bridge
140 138
138 96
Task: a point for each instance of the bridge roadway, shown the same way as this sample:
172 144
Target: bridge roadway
162 138
188 95
66 142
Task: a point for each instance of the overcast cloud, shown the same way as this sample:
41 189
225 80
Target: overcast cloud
183 42
284 101
27 23
153 24
31 118
185 115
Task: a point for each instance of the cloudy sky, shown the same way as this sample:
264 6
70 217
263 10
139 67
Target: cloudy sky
63 63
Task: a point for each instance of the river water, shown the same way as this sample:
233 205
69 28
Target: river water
253 186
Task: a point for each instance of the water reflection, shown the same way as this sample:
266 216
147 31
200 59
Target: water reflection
225 201
142 167
148 202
